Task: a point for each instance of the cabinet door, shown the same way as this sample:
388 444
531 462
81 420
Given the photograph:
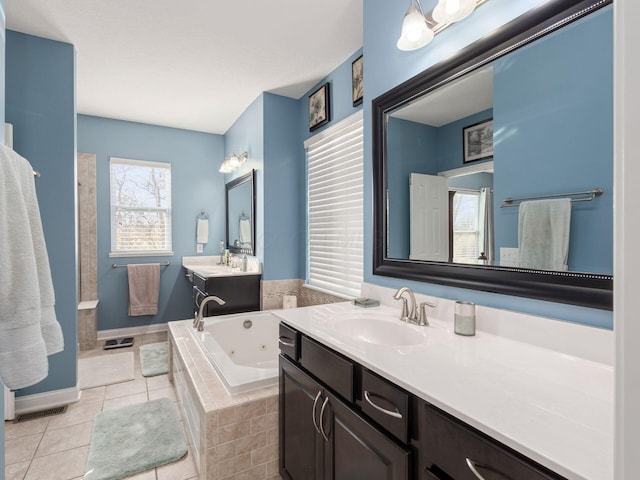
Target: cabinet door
301 447
358 451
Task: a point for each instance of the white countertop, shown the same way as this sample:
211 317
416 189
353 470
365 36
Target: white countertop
554 407
209 266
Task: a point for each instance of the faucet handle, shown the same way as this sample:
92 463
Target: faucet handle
423 320
404 314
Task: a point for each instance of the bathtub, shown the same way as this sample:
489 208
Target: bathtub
243 349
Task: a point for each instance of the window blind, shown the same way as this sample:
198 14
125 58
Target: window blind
335 208
140 207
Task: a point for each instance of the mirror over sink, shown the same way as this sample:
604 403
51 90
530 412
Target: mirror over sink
464 152
241 222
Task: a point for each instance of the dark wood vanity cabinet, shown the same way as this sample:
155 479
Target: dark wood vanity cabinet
451 449
340 421
241 293
322 437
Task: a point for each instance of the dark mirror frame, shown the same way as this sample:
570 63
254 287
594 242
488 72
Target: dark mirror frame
584 289
248 177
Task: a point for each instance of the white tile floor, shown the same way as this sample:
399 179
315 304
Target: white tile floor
56 447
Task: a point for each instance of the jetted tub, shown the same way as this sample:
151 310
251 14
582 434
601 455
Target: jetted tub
243 348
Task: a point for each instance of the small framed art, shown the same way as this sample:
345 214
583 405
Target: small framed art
478 141
319 107
357 81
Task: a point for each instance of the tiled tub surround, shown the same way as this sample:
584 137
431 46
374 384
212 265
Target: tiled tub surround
88 325
232 437
540 386
273 292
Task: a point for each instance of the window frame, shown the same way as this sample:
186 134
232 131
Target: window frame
168 246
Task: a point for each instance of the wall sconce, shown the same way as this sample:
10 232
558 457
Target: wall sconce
232 162
419 29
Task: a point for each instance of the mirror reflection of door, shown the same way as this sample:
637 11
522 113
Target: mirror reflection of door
429 218
451 219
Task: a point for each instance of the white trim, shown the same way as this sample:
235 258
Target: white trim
626 230
341 125
142 253
88 305
139 163
131 331
468 170
43 401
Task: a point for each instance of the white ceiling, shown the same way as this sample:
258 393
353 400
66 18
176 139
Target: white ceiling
470 94
193 64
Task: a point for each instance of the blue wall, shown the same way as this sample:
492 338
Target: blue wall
283 170
247 134
415 147
195 158
450 144
340 96
553 108
386 67
40 103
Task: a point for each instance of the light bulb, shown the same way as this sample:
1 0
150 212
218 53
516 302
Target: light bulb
449 11
415 32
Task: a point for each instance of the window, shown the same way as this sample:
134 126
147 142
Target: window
335 208
140 207
466 207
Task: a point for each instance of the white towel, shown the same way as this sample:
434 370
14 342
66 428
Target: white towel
29 330
543 234
245 232
144 288
202 231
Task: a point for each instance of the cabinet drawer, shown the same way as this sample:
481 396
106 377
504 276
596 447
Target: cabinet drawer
386 404
289 342
450 449
331 368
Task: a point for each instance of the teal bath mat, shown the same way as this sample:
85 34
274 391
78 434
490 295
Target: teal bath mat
133 439
154 359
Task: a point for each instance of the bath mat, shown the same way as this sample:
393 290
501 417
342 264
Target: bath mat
133 439
154 359
105 370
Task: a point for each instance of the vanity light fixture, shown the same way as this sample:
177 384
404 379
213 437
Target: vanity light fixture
419 29
233 162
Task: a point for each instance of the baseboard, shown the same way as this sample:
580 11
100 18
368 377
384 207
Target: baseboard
43 401
131 331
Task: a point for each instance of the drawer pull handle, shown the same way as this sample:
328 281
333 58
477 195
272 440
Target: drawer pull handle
322 432
287 342
313 411
395 414
472 466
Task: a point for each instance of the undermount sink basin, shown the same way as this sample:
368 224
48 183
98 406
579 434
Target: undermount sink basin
379 332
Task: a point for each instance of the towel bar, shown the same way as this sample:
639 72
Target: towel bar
118 265
596 192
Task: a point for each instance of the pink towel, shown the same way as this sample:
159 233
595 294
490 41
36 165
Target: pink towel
144 288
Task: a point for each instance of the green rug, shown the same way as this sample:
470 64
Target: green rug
154 359
133 439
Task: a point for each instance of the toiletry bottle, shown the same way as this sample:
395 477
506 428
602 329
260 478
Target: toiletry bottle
221 252
245 263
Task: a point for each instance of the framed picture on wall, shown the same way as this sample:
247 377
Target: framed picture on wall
319 107
357 85
478 141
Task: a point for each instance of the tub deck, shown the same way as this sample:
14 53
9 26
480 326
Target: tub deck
232 436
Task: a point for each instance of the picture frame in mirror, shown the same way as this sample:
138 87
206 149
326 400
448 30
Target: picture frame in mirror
478 141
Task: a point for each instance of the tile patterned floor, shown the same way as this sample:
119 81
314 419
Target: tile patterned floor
56 447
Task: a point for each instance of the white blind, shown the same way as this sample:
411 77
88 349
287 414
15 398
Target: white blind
140 207
334 208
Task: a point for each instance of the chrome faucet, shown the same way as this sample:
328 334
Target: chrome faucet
407 315
198 322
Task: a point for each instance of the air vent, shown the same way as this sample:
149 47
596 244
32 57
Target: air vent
40 414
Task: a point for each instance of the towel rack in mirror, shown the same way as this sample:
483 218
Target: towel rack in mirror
118 265
590 195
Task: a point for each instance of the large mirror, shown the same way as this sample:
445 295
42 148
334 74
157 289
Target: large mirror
494 170
241 222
